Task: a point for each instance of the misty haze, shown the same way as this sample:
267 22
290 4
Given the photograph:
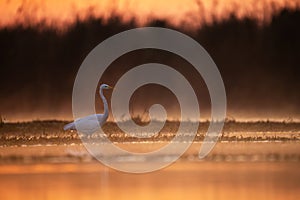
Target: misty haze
255 46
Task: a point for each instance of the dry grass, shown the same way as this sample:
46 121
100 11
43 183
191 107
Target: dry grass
51 132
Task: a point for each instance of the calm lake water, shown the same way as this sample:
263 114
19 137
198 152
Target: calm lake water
236 170
203 180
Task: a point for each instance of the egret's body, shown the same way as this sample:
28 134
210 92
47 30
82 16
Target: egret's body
90 124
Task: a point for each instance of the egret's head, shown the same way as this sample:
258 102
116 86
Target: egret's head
105 86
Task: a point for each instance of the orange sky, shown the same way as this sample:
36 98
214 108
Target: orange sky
59 13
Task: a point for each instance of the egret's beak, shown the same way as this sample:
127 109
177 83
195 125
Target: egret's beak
109 87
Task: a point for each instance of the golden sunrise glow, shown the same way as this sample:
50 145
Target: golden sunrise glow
178 12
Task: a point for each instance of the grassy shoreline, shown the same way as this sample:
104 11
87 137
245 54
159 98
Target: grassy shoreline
51 132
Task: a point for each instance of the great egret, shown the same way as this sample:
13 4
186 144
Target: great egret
90 124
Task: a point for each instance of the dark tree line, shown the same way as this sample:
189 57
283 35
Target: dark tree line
39 64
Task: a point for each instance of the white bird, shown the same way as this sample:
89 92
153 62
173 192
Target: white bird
90 124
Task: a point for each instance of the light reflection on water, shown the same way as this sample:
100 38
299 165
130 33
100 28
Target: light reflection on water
233 170
182 180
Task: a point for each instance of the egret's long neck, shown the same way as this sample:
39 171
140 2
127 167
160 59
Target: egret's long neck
104 103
